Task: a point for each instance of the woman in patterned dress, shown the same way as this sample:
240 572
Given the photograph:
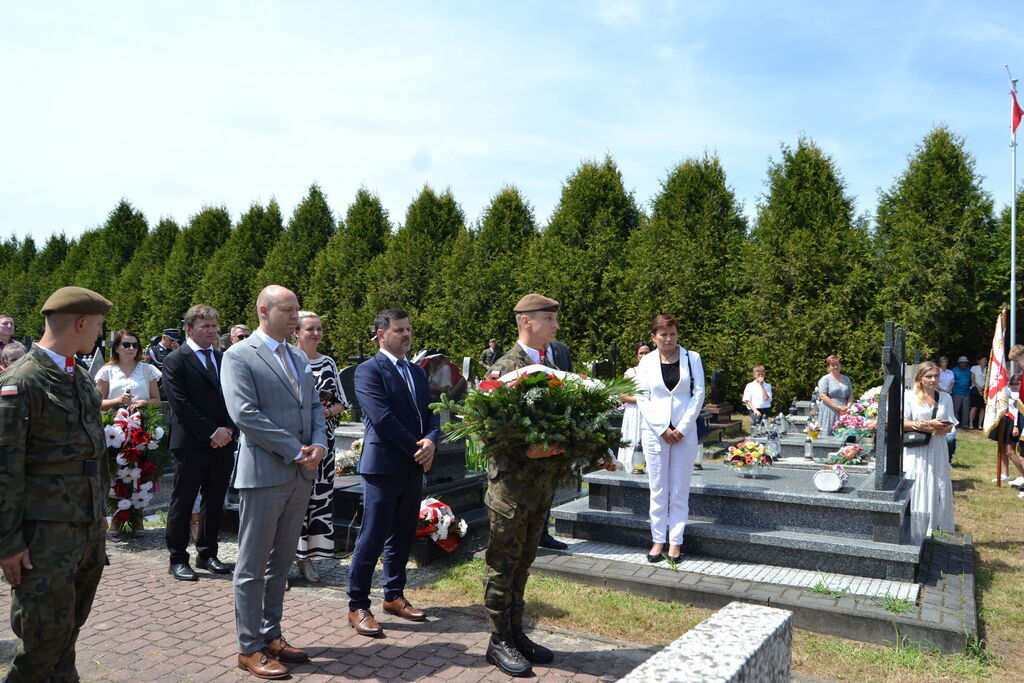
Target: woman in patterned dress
835 390
317 539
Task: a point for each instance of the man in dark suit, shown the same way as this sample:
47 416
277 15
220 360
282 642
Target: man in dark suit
269 391
202 443
401 434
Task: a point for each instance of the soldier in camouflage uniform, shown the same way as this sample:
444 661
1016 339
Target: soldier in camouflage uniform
519 491
54 479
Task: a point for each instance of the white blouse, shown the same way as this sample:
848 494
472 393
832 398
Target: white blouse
137 383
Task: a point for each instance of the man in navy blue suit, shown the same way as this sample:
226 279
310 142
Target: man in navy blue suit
401 434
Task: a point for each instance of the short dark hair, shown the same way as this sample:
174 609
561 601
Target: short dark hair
200 311
662 321
382 321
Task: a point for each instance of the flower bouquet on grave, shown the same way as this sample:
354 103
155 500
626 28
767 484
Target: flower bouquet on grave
347 462
850 454
133 437
437 521
749 458
850 425
540 406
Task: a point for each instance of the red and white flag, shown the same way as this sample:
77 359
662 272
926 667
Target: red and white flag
1016 113
996 394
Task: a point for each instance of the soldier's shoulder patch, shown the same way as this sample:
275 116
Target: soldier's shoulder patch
9 390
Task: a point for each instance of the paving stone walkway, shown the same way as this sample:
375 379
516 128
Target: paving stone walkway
145 626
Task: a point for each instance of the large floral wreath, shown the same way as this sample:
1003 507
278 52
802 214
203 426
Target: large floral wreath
132 436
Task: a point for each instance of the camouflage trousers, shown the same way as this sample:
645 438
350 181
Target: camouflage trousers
53 601
517 511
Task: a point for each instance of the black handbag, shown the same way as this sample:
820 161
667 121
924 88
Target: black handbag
913 438
702 422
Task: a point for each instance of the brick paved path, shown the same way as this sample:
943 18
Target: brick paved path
145 626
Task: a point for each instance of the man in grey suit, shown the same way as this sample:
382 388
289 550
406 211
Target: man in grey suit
268 389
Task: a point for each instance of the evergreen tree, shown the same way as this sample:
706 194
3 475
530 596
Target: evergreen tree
205 233
288 263
230 282
935 239
27 291
808 284
111 248
136 289
401 275
580 254
686 260
338 288
995 278
474 297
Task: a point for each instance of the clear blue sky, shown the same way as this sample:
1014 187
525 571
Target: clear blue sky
174 106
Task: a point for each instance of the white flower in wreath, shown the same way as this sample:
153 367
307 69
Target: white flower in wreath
159 433
124 504
442 528
114 436
121 460
153 445
140 500
135 473
125 474
112 493
147 486
462 528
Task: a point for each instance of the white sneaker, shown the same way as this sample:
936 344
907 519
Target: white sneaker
1005 479
1018 482
1021 494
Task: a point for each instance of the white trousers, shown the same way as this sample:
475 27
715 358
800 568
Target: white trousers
670 469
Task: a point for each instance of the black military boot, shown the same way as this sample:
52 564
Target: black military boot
502 653
534 653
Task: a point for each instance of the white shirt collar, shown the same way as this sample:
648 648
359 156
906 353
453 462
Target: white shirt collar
534 354
391 357
57 359
268 340
196 347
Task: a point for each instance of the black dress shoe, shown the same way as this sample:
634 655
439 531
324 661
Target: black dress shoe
502 653
534 653
549 541
215 566
654 558
183 572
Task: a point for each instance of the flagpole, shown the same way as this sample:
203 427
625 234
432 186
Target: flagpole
1013 217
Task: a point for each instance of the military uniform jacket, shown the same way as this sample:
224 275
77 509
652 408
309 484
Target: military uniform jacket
48 418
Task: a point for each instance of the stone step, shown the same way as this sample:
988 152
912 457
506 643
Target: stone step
815 552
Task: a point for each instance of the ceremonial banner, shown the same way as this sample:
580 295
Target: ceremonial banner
996 399
1015 113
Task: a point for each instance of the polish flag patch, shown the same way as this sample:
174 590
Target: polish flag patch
9 390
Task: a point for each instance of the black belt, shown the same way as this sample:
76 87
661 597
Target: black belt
88 468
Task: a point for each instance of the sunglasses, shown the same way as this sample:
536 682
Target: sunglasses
130 345
240 337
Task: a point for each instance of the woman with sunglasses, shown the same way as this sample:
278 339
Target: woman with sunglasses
125 381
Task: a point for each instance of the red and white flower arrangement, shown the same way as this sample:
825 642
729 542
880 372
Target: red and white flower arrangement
131 435
439 523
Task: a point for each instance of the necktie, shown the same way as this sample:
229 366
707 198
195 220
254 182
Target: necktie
210 369
403 367
287 367
542 356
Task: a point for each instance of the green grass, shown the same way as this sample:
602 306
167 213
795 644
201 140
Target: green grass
896 605
821 589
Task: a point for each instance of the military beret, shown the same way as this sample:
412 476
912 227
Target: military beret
78 300
536 302
172 333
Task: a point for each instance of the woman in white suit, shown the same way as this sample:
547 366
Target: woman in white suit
671 395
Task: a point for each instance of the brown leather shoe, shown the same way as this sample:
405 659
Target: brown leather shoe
279 648
400 607
262 665
363 622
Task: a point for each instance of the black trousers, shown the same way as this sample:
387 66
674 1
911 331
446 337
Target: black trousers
195 471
